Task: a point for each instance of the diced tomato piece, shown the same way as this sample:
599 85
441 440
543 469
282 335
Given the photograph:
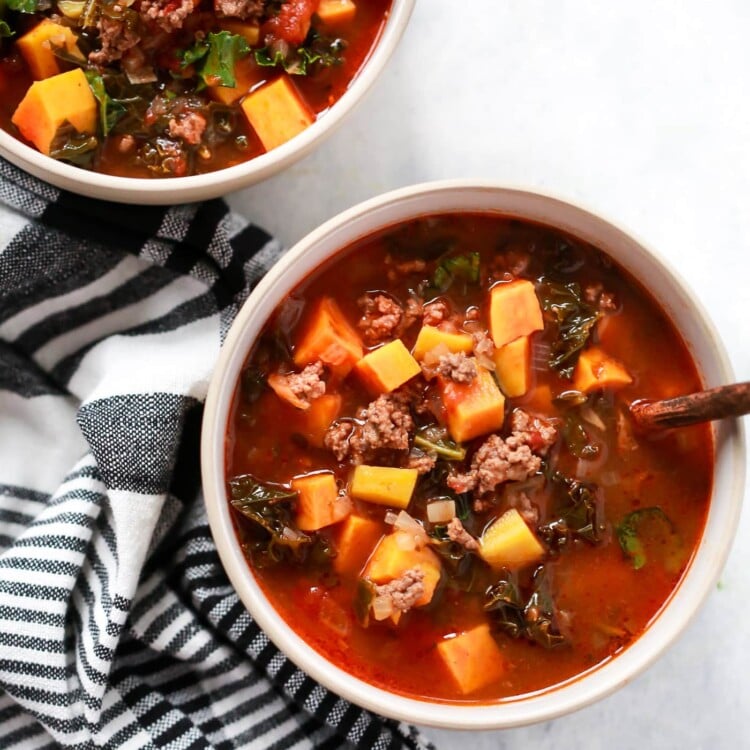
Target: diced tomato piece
292 24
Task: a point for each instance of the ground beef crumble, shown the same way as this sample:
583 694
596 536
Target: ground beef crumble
434 313
404 592
169 15
308 384
424 463
116 37
483 345
457 533
385 424
527 510
538 433
381 317
514 458
457 367
243 9
189 126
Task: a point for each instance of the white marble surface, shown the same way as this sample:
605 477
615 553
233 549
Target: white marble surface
641 110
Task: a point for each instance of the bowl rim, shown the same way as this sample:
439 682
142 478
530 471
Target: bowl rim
605 678
170 190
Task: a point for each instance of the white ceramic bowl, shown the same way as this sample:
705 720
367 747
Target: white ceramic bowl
167 191
681 305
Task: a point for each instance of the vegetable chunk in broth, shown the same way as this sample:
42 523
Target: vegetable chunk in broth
432 467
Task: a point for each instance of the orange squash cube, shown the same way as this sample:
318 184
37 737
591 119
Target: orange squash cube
318 417
336 12
355 543
508 542
65 97
472 409
277 112
473 659
513 367
539 399
514 311
318 501
384 485
595 369
36 47
247 74
330 338
430 337
388 367
395 554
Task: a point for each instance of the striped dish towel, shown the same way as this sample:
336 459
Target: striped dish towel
118 627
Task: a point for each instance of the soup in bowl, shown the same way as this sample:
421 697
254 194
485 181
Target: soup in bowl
420 467
113 99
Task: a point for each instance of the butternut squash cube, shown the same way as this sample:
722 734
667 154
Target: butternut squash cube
276 112
472 409
356 541
328 337
65 97
509 543
394 555
473 659
539 399
514 311
247 74
595 369
336 12
383 485
318 417
318 501
388 367
430 337
513 367
36 48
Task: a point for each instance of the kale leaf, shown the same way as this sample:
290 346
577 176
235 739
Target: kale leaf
533 618
435 439
215 57
579 512
72 146
319 51
575 320
23 6
5 30
454 268
652 520
110 110
269 506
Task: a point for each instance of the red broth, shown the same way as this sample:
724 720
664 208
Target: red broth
598 595
140 141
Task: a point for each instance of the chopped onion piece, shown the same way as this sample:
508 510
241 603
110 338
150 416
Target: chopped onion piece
390 517
404 522
71 8
540 357
487 362
382 607
290 534
593 418
441 511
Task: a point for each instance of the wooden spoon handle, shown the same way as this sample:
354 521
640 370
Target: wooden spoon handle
715 403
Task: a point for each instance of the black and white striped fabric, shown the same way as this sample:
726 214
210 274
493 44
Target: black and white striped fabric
118 627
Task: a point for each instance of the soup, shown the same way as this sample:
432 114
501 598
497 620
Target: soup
432 467
167 88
